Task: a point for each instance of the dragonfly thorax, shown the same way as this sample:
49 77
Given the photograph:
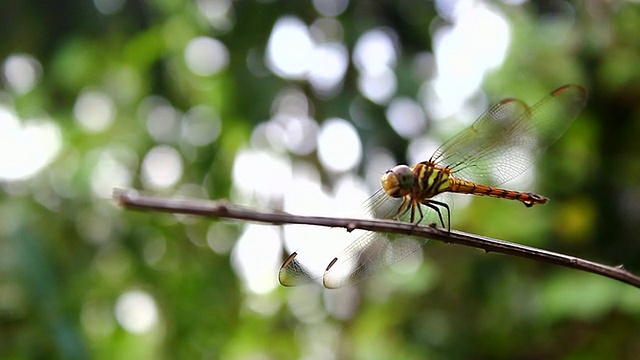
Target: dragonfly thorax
398 181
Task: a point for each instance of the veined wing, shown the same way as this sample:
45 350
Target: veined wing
366 255
374 251
504 141
362 257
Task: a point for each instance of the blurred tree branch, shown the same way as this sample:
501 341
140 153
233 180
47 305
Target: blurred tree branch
131 199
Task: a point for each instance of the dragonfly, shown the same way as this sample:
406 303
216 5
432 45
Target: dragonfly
497 147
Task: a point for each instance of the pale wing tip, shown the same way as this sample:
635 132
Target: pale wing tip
330 285
333 283
579 93
293 273
570 87
328 280
342 272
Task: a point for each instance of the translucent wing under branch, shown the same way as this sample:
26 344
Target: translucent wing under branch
504 141
307 265
362 257
366 255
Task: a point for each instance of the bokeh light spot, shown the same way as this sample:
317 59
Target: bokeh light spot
406 117
136 311
219 13
26 148
256 257
94 111
290 48
206 56
339 146
378 86
374 51
261 176
201 126
327 30
21 72
328 67
162 119
476 43
161 167
330 7
375 56
108 173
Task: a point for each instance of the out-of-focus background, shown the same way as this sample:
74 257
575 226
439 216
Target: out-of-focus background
301 106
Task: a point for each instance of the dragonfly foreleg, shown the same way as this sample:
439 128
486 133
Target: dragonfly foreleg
402 209
413 213
432 205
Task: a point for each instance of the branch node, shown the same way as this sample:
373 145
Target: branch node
223 206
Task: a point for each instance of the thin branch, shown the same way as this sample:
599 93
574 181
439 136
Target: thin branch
131 199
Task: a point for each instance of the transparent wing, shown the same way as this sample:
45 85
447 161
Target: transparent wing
363 256
307 265
366 255
373 251
504 141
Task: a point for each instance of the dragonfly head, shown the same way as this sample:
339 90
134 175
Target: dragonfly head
398 181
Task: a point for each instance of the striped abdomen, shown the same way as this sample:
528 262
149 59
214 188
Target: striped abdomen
468 187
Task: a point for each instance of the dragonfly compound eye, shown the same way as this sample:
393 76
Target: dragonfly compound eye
398 181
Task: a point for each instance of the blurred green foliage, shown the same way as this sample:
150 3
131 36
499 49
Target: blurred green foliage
68 255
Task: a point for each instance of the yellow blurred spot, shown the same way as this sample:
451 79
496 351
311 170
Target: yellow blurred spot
575 219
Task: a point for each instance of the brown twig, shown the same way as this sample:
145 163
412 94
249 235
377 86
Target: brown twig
131 199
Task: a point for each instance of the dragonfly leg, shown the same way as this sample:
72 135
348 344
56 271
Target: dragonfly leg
402 209
421 214
432 204
413 213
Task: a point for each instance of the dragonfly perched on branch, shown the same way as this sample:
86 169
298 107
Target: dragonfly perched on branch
500 145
